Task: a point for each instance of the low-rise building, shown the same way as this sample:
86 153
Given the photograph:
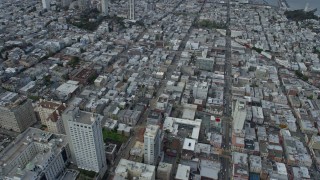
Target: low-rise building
162 102
239 116
84 75
35 154
279 172
50 115
129 169
255 164
188 148
183 172
137 152
67 90
240 166
209 169
300 173
111 150
296 153
172 125
257 115
129 117
200 90
154 118
164 171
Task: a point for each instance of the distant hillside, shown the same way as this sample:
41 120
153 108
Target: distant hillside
300 15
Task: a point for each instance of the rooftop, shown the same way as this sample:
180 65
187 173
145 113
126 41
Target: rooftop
11 99
128 168
239 115
151 130
164 166
68 87
210 169
281 168
172 124
189 144
183 172
74 114
50 143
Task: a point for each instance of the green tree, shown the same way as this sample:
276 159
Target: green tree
310 97
74 61
47 80
92 78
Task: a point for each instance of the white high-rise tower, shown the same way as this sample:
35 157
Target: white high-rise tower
46 4
105 7
84 132
131 9
151 144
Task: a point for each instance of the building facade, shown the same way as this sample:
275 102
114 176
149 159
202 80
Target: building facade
50 115
127 169
205 63
46 4
16 112
84 132
105 7
131 5
164 171
151 144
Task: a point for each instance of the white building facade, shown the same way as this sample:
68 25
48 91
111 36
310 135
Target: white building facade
46 4
151 144
86 142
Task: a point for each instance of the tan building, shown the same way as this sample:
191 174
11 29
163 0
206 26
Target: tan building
164 171
50 115
16 112
133 170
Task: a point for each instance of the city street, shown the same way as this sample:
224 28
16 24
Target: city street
227 119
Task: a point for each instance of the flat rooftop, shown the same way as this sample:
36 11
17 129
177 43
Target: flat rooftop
82 116
151 130
183 172
127 168
84 73
189 144
68 87
32 137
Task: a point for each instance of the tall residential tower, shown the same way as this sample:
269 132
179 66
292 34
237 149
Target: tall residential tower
151 144
131 5
105 7
84 132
